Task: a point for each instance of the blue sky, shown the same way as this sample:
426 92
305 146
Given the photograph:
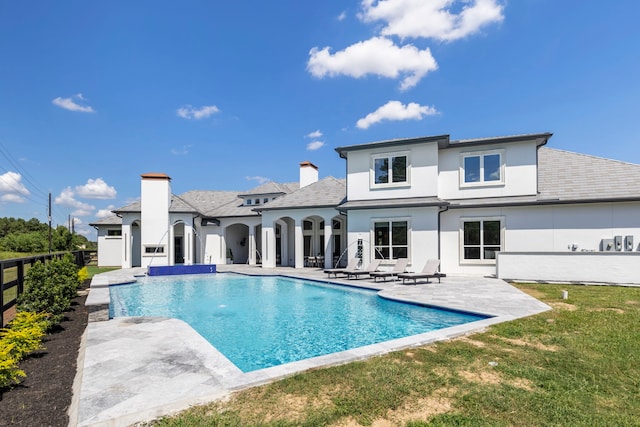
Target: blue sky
224 95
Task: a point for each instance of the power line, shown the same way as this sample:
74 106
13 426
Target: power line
27 177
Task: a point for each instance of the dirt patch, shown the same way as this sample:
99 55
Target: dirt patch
563 306
614 310
423 409
523 343
474 343
288 407
44 396
482 377
632 302
419 409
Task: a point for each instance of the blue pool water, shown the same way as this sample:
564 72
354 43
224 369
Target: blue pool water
263 321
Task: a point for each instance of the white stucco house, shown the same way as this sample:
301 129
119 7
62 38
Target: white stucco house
465 202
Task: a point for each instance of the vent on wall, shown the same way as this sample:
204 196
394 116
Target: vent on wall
628 243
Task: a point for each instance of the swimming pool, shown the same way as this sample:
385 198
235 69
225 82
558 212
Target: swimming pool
263 321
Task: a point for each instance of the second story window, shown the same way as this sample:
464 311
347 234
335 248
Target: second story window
390 170
484 168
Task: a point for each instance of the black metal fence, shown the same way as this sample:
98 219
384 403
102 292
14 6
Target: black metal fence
13 271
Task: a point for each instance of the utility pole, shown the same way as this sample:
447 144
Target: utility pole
49 222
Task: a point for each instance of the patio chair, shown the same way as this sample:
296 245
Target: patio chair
399 267
353 263
373 266
430 270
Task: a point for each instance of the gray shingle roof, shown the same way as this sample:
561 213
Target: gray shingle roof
207 202
328 191
272 188
110 220
565 175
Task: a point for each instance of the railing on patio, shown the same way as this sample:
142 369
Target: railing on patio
12 272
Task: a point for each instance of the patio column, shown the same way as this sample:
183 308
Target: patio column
298 245
252 244
188 244
328 243
127 246
268 246
171 260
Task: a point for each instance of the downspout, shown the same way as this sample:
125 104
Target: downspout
440 211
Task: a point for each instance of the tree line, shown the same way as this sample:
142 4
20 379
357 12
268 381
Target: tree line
32 236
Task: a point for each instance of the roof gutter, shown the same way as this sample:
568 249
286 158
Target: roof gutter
546 203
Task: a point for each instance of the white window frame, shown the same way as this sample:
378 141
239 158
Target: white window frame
113 236
157 250
389 157
480 219
390 220
481 155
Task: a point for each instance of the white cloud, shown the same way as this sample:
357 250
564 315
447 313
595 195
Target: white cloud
315 145
377 56
432 19
181 152
261 179
71 105
314 134
12 198
105 213
190 112
11 182
96 189
395 110
67 198
342 16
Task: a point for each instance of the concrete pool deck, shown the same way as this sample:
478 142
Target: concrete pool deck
136 369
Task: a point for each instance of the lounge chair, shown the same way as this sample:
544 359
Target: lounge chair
373 266
400 267
353 263
430 270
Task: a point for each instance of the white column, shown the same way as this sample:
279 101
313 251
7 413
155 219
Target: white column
252 245
171 259
127 246
328 243
188 244
268 246
299 246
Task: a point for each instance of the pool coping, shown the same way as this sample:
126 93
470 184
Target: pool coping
134 351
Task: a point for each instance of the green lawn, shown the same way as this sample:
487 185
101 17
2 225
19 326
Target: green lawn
577 365
93 270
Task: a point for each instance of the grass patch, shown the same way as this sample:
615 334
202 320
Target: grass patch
93 270
575 365
11 255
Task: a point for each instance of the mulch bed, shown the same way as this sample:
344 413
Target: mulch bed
44 396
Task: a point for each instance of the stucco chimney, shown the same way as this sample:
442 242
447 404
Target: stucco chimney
155 201
308 174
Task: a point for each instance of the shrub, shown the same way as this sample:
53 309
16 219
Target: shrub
24 335
83 274
9 372
22 341
50 288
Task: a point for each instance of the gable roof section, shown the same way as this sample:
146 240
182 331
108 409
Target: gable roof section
272 188
539 138
440 139
567 176
206 201
328 192
110 220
